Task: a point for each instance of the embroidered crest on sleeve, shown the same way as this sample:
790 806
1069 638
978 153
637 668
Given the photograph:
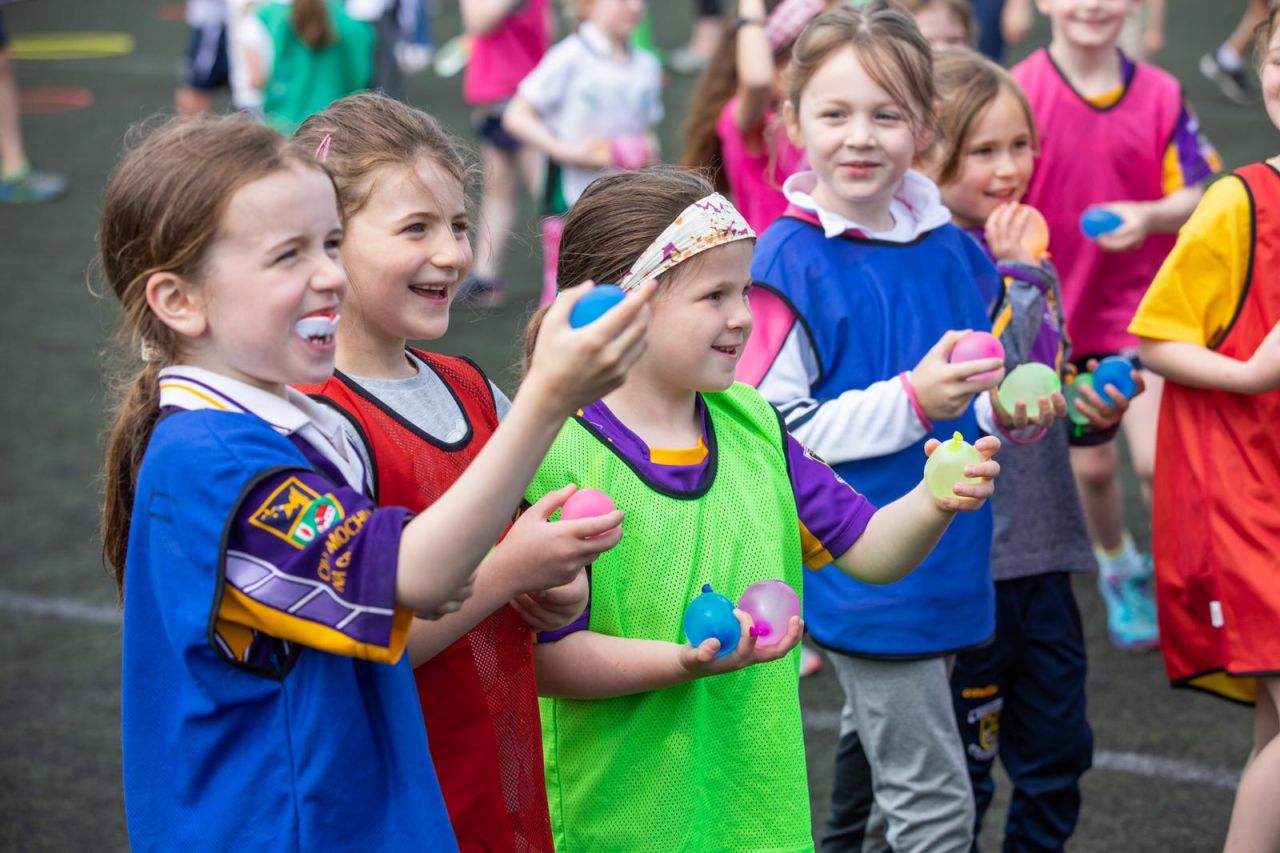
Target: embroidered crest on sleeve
297 513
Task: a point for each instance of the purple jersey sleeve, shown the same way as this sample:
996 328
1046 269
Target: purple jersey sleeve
1190 158
312 563
832 514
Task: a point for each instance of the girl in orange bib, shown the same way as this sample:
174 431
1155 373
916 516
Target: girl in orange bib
1210 324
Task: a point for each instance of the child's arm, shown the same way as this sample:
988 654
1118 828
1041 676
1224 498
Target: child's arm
1200 367
1153 30
522 121
901 534
1015 20
590 665
482 16
441 547
1142 218
535 555
755 68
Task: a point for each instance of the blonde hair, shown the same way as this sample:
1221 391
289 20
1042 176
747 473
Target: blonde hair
891 49
368 131
162 212
968 84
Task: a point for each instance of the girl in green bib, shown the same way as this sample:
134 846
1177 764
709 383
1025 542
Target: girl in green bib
644 749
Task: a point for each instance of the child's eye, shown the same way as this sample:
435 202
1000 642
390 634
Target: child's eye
887 116
333 244
715 295
287 255
984 151
415 228
832 114
1021 144
461 227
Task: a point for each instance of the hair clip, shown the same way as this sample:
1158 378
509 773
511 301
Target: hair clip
322 150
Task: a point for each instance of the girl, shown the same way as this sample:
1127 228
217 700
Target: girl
733 127
509 38
592 95
306 54
422 419
1030 682
1209 326
718 493
866 245
266 595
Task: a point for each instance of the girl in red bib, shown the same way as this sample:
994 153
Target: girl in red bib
1210 324
422 418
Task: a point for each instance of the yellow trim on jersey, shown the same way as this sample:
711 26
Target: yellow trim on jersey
1196 292
1107 98
679 455
240 609
815 554
1240 688
179 386
237 637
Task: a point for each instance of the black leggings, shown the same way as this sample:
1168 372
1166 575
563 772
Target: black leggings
708 8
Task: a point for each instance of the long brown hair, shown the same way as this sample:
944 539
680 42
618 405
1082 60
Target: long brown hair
368 131
1264 32
310 21
968 84
715 87
891 49
614 221
162 212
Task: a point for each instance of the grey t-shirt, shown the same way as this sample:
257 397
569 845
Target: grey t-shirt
425 401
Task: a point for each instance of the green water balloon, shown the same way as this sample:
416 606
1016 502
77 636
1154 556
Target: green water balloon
1082 381
1027 383
945 467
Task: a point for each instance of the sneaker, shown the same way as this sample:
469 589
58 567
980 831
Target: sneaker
685 60
1236 86
810 661
1131 608
482 292
32 187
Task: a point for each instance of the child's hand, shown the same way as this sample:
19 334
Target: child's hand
702 661
593 152
556 607
552 554
1132 232
1052 408
1263 366
1105 411
942 389
971 496
1006 230
574 367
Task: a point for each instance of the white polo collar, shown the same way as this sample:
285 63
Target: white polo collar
194 388
916 207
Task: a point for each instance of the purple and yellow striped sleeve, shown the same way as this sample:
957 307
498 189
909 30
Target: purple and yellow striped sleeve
1190 157
311 563
832 515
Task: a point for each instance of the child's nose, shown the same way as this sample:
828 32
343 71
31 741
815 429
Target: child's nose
331 276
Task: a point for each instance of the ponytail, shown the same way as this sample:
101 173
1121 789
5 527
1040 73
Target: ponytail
310 21
131 426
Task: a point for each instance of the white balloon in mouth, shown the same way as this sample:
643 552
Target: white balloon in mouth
317 326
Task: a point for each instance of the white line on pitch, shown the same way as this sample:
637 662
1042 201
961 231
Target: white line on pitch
1133 763
63 608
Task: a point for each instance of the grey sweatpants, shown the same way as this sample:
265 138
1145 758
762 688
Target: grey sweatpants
901 712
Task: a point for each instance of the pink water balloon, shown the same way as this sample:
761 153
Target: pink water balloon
771 604
630 152
586 503
975 346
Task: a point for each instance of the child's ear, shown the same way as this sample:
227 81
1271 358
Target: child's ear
178 303
792 123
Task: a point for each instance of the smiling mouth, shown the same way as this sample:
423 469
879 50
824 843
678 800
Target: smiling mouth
733 350
431 291
318 329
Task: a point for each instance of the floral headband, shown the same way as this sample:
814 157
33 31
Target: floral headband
705 224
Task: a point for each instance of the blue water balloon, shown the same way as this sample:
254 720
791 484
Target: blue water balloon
594 304
1097 221
711 615
1116 371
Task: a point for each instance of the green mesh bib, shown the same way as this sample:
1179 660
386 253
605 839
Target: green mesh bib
717 764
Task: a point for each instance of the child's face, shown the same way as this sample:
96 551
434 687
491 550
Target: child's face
617 19
859 141
942 27
274 263
407 251
1087 23
1271 78
701 323
995 165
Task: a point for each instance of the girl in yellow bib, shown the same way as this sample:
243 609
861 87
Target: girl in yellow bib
644 750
